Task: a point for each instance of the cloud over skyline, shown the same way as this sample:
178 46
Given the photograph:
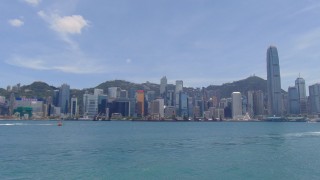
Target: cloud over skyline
203 43
33 2
16 22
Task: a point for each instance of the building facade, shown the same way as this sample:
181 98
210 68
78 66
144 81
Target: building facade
274 82
236 106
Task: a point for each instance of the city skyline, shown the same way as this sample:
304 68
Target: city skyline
204 43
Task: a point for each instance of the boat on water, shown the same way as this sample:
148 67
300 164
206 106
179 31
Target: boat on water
274 119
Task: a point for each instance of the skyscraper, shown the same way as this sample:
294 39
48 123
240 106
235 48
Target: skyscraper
274 82
300 84
314 95
179 86
74 107
293 98
236 106
163 86
64 98
140 103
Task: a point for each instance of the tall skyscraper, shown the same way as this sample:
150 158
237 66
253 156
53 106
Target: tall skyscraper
178 89
179 86
258 103
90 105
74 107
274 82
64 98
300 84
314 95
293 101
140 103
163 86
250 103
236 106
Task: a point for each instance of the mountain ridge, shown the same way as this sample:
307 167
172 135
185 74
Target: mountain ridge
41 90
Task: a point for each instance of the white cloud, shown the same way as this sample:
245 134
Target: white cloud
65 62
67 24
70 24
33 2
16 22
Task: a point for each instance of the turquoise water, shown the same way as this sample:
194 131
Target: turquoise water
159 150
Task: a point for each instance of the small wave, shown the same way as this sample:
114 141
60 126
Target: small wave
303 134
25 124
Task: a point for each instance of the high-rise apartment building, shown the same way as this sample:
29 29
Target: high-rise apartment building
274 82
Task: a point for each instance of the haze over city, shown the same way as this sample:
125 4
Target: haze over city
84 43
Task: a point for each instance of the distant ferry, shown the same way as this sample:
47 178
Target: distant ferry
274 119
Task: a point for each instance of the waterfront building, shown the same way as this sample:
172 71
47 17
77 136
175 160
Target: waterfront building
196 112
274 82
35 105
293 101
300 84
90 105
169 112
314 95
120 106
200 104
258 103
244 104
236 106
157 109
64 98
102 104
74 107
183 105
140 105
250 104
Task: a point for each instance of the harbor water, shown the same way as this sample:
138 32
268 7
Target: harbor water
159 150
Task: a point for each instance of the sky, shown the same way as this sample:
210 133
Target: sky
202 42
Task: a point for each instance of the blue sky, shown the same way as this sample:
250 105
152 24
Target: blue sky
203 42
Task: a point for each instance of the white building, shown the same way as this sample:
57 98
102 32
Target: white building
157 107
90 105
112 92
236 106
98 92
